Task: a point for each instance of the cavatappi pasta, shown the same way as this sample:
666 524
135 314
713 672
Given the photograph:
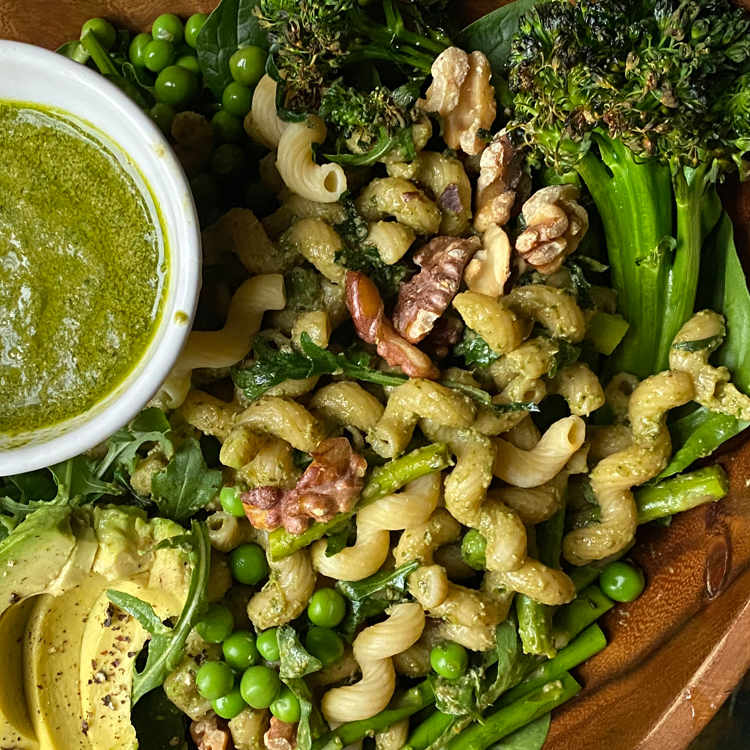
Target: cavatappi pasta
535 445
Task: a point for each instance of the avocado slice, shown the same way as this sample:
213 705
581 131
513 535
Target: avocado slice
52 649
111 641
41 555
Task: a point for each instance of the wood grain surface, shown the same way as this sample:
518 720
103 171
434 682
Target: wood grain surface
676 653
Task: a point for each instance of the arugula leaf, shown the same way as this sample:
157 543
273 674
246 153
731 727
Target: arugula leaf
167 645
484 398
230 26
311 723
150 426
387 581
294 660
339 539
493 33
186 485
77 482
474 349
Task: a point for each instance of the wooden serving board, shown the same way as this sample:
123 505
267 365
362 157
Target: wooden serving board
677 652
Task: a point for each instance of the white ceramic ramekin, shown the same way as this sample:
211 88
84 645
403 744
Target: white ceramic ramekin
38 76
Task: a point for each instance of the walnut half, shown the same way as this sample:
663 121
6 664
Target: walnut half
555 225
461 93
428 295
490 267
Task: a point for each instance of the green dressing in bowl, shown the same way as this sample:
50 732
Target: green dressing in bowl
82 270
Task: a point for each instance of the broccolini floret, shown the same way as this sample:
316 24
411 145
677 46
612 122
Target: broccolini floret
648 101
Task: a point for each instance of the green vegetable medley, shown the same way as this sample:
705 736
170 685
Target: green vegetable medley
395 479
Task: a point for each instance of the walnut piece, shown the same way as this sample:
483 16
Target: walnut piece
555 225
489 269
368 314
212 733
331 484
423 299
461 93
500 172
280 735
445 334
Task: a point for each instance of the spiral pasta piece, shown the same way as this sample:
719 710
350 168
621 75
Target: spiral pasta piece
348 404
412 401
492 319
224 348
373 649
712 387
614 476
262 123
552 308
540 464
410 507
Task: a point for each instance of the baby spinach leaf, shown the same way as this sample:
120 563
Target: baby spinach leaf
389 581
187 484
294 660
230 26
339 539
531 737
388 279
493 33
474 349
167 645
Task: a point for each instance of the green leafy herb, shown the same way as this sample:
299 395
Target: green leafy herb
698 345
492 34
187 484
303 290
150 426
566 354
167 645
294 660
311 724
339 539
388 279
531 737
474 349
230 26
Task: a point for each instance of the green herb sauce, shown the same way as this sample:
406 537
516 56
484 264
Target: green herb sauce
81 270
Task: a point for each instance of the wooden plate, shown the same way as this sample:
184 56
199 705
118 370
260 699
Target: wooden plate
677 652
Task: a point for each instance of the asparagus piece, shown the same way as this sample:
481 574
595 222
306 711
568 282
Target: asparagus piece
583 611
474 549
589 640
411 701
534 618
506 720
382 481
605 331
586 645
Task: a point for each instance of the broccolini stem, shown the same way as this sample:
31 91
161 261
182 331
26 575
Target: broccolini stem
506 720
98 55
584 610
635 203
413 700
382 481
605 331
682 284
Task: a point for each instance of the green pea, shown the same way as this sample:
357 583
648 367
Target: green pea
230 705
240 650
449 660
137 49
248 564
325 644
326 608
175 85
474 550
217 625
158 55
286 706
227 128
163 114
237 99
214 680
193 27
622 582
247 65
227 159
191 63
231 499
168 27
268 644
260 685
103 30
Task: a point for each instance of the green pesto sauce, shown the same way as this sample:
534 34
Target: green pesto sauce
81 270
